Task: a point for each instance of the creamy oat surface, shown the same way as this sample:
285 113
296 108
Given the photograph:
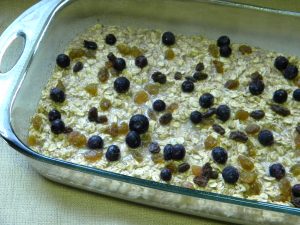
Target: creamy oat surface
188 52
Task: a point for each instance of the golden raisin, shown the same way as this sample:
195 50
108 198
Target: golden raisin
123 49
172 107
210 142
113 130
108 64
232 84
31 140
213 50
135 52
254 188
297 141
157 158
60 85
248 177
246 162
76 53
252 128
105 104
285 189
171 166
251 149
169 54
92 89
151 114
36 122
196 170
123 128
295 169
241 115
297 81
77 139
103 75
92 155
141 97
152 89
245 49
137 156
219 66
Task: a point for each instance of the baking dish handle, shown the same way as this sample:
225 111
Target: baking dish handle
29 26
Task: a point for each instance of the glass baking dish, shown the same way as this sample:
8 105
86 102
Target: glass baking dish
46 29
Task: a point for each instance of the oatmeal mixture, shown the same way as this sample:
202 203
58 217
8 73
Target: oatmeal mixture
203 114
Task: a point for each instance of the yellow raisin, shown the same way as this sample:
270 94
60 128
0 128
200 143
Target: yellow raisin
137 156
76 53
108 64
157 158
248 177
297 81
169 54
103 75
254 188
196 170
213 50
241 115
60 85
246 162
92 155
251 149
135 52
123 128
232 84
297 141
285 189
245 49
295 169
113 130
252 128
92 89
37 122
152 89
219 66
77 139
172 107
31 140
105 104
171 166
123 49
141 97
210 142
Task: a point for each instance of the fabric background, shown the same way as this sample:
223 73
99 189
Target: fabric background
27 198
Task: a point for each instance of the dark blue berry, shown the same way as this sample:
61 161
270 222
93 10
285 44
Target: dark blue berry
296 190
230 174
57 95
219 155
290 72
280 96
223 112
281 63
168 38
63 61
159 77
187 86
159 105
166 174
139 123
178 152
256 87
223 41
141 61
296 95
277 170
133 139
57 126
90 45
257 114
225 51
266 138
54 115
154 148
110 39
121 85
168 151
119 64
113 153
95 142
196 117
206 100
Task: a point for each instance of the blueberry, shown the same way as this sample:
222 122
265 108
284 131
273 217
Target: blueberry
159 77
178 152
90 45
133 139
290 72
159 105
154 148
223 41
168 38
230 174
63 60
256 87
54 115
196 117
225 51
257 114
206 100
57 95
113 153
95 142
187 86
139 123
57 126
78 67
166 174
281 63
141 61
280 96
277 170
296 95
168 151
119 64
121 84
219 155
223 112
265 137
296 190
110 39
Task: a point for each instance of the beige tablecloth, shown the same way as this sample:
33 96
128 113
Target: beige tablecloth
27 198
